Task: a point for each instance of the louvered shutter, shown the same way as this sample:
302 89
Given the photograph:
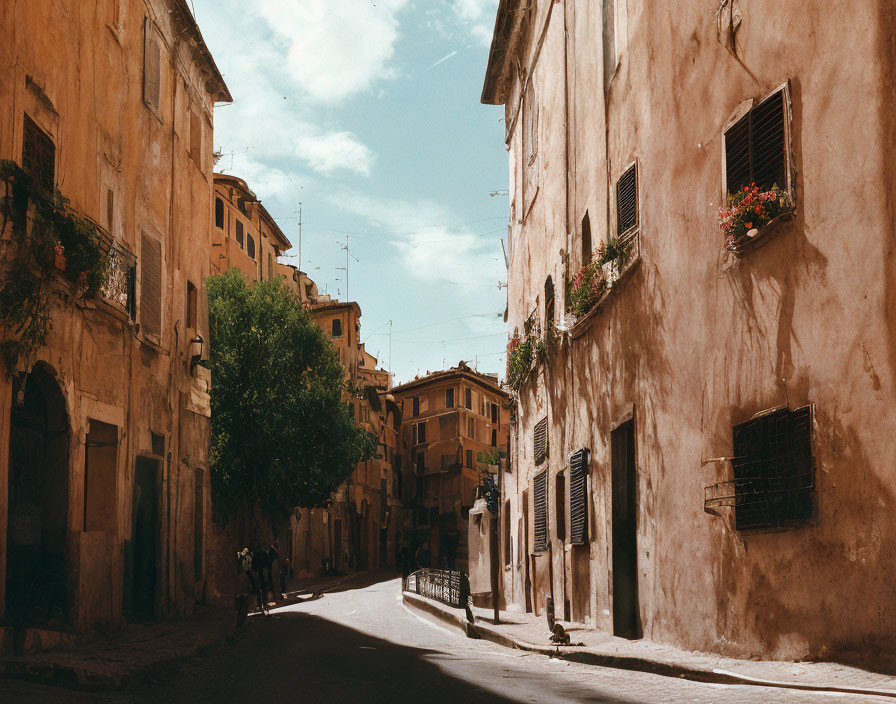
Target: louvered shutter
152 67
540 496
756 147
150 285
627 201
578 497
540 440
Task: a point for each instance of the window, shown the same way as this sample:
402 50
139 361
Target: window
150 285
110 211
507 546
419 433
469 458
101 455
152 68
627 201
239 232
548 303
192 301
494 438
250 246
560 503
586 239
471 428
757 146
415 403
578 497
38 156
540 440
540 497
449 398
196 138
336 330
468 399
774 472
494 411
219 213
447 461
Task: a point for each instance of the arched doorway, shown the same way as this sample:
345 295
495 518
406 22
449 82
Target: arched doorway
36 579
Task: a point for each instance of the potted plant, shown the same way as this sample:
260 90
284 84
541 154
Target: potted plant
586 288
749 210
612 257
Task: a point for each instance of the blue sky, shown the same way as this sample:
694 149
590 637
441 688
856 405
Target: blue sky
367 111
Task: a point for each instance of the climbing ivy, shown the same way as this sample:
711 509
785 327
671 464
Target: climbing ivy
38 231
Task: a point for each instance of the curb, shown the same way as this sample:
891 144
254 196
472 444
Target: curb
624 662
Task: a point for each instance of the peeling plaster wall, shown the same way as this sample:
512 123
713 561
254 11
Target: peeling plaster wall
86 91
692 350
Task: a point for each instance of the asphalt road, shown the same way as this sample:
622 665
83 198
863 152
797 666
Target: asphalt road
363 645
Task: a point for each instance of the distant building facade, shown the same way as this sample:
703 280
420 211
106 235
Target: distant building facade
698 455
104 434
452 420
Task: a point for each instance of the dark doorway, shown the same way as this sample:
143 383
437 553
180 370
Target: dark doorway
626 619
36 579
337 544
144 538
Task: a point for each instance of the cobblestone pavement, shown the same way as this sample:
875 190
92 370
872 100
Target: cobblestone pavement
363 645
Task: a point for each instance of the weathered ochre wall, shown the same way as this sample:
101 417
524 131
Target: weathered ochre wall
80 78
689 349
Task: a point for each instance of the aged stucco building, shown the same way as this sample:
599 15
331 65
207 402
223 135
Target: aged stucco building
104 429
451 419
702 452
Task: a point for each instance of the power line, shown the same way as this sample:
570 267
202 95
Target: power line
432 325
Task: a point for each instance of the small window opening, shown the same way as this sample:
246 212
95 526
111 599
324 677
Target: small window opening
219 213
468 399
627 201
560 499
192 302
548 303
449 398
336 329
38 156
250 246
586 239
239 232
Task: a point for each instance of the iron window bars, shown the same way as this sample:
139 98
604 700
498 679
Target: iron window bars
447 586
774 472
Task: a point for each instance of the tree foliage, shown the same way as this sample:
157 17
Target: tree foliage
281 432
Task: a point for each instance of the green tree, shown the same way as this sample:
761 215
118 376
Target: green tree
281 433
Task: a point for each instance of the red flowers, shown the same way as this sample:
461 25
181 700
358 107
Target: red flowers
751 208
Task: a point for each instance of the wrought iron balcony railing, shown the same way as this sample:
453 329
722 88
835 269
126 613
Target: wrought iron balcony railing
121 281
448 586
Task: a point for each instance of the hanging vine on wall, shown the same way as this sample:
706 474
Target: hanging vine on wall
41 238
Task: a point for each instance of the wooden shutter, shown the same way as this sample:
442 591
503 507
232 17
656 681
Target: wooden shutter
540 440
38 156
540 496
756 147
578 497
150 285
152 67
627 201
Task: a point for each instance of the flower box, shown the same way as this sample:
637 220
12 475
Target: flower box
751 216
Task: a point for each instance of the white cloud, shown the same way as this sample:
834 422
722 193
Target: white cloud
335 48
332 151
478 16
429 247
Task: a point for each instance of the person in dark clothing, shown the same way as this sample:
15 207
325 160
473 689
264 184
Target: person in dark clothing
243 587
422 556
259 569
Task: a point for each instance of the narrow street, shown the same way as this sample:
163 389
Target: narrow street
363 645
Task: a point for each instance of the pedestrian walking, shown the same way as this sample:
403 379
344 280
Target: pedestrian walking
243 587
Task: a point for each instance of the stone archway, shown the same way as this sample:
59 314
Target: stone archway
36 574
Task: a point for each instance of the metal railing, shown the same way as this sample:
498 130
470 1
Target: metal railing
121 281
448 586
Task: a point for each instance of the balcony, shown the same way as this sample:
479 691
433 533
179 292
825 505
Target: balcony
120 287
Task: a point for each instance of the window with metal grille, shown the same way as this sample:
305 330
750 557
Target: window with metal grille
774 472
578 497
540 440
756 146
150 285
38 156
219 213
250 246
627 201
239 232
449 398
540 497
152 68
